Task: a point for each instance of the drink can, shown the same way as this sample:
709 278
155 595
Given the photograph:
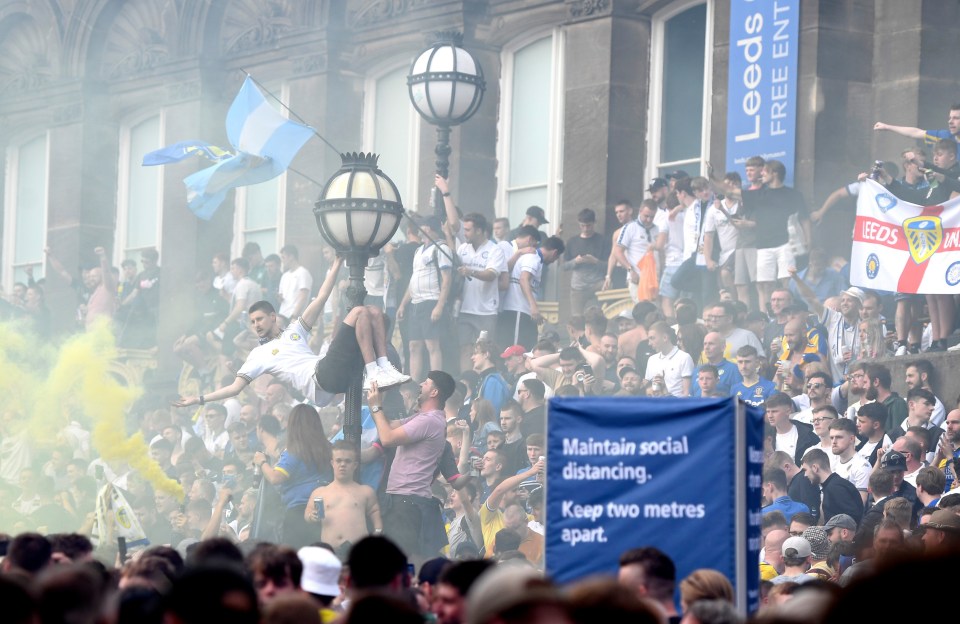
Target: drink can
483 335
318 505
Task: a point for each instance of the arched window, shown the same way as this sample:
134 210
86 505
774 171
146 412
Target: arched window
391 127
140 189
259 216
25 210
680 88
530 149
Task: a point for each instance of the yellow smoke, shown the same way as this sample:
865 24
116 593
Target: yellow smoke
51 387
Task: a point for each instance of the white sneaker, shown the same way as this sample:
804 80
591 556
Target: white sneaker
391 377
901 350
955 347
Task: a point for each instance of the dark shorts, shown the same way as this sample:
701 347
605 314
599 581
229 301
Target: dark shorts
343 362
469 326
419 324
516 328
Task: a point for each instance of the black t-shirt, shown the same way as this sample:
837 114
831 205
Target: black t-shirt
597 246
771 208
534 421
516 454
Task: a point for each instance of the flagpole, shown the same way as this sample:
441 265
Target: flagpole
298 117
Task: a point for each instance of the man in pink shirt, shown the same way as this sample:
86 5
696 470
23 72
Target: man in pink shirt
412 516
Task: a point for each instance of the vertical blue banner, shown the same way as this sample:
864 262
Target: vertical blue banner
679 474
762 82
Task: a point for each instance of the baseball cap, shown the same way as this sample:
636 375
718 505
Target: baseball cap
537 213
321 571
819 544
944 520
676 175
796 547
656 184
512 351
893 460
841 521
856 293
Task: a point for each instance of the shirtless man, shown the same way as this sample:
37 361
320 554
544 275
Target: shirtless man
347 504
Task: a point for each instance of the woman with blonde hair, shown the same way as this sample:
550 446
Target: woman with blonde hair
704 584
873 343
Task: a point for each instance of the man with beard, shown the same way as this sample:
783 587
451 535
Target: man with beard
870 419
842 327
359 347
949 451
878 377
412 516
838 495
856 388
919 374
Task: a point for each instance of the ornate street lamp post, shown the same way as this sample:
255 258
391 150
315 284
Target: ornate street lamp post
446 87
358 212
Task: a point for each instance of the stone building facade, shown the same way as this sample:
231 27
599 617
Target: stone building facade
581 95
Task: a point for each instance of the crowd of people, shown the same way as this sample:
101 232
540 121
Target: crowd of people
730 297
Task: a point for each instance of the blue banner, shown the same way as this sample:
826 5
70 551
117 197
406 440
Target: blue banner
762 82
679 474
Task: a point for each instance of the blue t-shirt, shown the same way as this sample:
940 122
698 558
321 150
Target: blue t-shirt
729 376
756 394
301 479
932 136
787 506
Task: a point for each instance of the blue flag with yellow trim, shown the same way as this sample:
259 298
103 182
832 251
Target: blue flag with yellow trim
183 150
266 143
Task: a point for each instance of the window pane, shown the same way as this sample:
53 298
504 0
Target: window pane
519 201
267 239
529 120
391 129
31 205
143 193
260 208
683 67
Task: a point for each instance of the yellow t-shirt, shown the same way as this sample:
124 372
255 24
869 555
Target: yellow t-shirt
491 521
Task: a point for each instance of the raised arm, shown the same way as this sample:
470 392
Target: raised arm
806 292
496 496
315 308
544 363
106 270
907 131
834 197
217 395
57 266
453 219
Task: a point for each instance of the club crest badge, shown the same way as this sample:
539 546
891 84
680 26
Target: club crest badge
924 236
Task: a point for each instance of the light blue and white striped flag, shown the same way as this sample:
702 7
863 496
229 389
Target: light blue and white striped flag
266 143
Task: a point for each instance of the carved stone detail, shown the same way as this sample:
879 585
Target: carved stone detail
183 90
67 114
27 59
254 24
589 8
376 11
138 39
309 64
